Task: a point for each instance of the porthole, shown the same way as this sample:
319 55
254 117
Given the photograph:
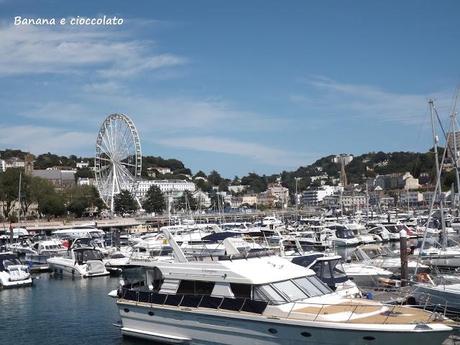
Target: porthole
126 310
272 330
368 337
151 313
305 334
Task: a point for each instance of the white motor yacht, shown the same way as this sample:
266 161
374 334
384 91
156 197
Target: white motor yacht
338 236
41 251
366 275
443 257
329 269
244 299
385 258
83 261
12 272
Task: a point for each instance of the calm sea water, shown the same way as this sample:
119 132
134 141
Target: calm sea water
61 311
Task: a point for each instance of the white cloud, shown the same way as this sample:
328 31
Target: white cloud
32 50
37 139
153 115
258 152
61 112
334 98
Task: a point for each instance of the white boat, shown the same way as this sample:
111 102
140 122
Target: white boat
360 232
244 299
41 251
385 258
338 236
12 272
366 275
84 262
81 232
447 257
379 232
329 269
438 296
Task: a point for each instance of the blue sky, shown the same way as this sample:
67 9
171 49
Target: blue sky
236 86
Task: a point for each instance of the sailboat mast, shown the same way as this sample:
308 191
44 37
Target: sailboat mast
438 174
19 196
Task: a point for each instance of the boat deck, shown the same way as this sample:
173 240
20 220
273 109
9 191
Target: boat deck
364 313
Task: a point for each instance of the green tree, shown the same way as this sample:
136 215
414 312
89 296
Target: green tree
214 178
84 173
83 199
200 174
203 185
125 203
255 182
9 188
52 205
186 202
154 200
27 198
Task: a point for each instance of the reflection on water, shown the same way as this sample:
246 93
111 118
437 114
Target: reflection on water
61 311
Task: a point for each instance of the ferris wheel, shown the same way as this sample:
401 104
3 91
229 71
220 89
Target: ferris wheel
118 161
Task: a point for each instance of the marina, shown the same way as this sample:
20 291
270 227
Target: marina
351 290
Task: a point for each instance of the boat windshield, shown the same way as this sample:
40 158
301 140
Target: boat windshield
342 233
290 290
10 262
87 254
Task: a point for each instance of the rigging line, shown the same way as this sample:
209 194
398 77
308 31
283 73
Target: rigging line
446 136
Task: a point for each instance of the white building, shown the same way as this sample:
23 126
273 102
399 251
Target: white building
86 181
356 200
410 182
175 188
162 170
81 165
202 199
411 198
237 189
316 195
2 165
14 163
280 193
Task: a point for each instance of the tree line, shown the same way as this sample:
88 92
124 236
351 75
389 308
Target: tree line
50 202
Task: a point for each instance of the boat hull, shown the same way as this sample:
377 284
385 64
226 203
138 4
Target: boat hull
74 271
185 326
16 284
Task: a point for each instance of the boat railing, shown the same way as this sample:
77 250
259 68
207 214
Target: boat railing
435 308
316 311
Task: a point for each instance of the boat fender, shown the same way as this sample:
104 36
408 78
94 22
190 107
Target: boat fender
369 295
423 277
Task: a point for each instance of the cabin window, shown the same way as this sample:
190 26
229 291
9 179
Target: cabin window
291 291
338 268
241 290
319 284
308 286
326 270
268 294
193 287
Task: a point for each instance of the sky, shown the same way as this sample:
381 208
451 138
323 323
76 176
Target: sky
237 86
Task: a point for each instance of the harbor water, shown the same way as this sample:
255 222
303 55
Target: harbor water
61 311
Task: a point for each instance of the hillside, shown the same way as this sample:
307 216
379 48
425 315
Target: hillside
364 166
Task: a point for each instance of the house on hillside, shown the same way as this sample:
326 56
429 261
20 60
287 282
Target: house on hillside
59 178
